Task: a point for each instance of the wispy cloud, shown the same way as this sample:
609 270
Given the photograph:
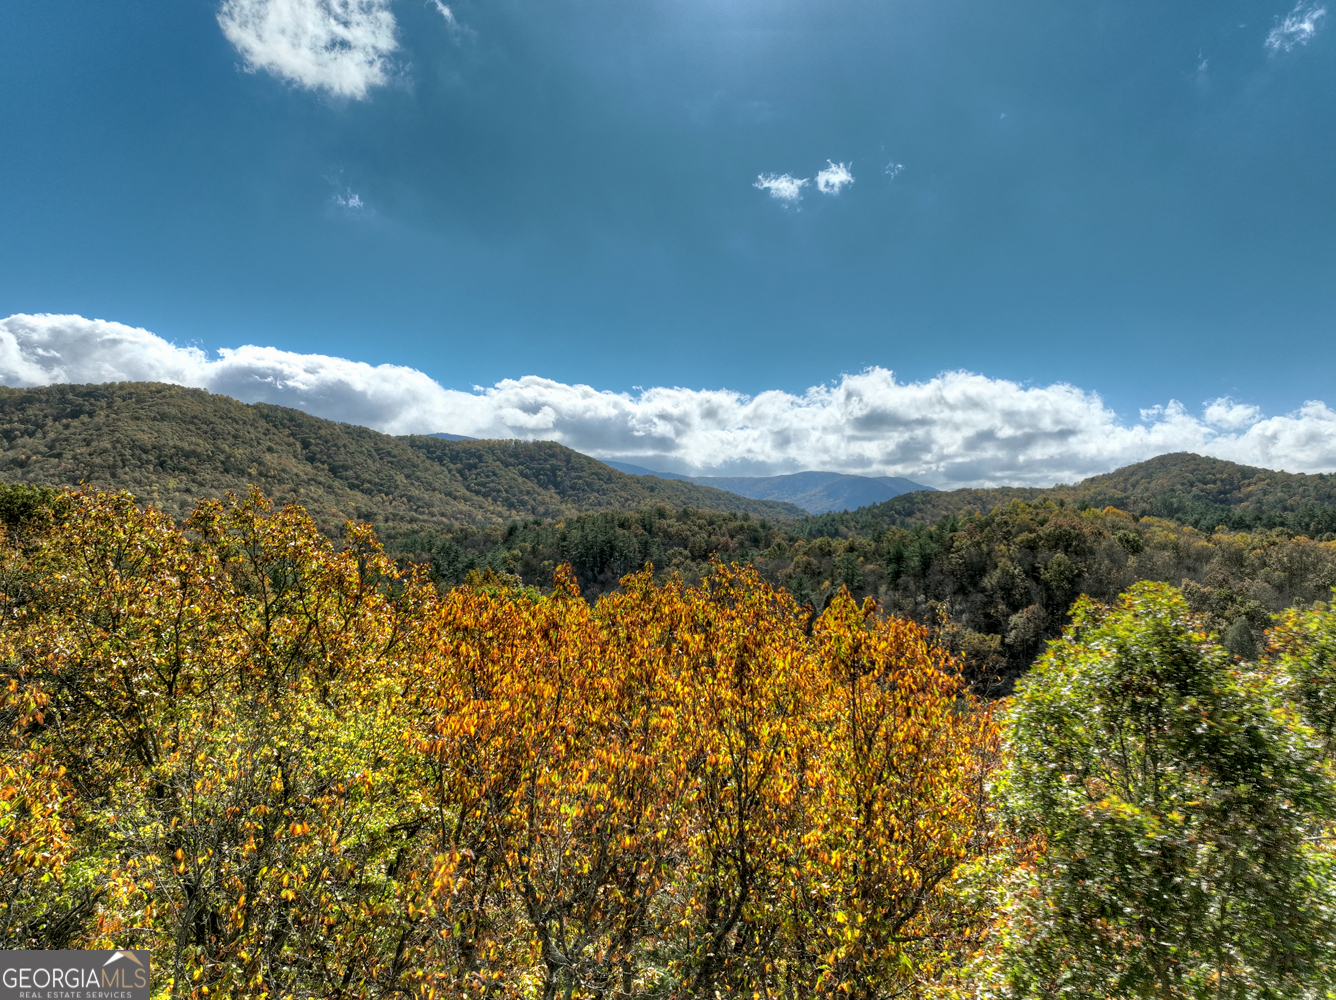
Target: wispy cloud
1297 28
339 46
446 13
349 200
893 169
957 429
782 186
833 178
457 30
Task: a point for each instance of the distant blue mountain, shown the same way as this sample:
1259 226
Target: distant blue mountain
815 492
451 437
638 470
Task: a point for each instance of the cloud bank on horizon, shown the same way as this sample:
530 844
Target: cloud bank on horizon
957 429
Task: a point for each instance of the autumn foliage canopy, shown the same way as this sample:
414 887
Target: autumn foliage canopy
290 768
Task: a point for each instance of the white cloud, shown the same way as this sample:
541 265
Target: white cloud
957 429
782 186
1225 412
833 178
458 31
1298 27
447 13
893 169
341 46
349 200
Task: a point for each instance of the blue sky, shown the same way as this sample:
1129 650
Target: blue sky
1135 198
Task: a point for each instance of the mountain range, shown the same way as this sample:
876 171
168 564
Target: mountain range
1204 493
814 492
171 445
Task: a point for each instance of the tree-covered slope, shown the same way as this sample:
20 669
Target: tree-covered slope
171 445
1205 493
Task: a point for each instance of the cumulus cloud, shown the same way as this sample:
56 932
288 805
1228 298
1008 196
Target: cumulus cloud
1297 28
340 46
833 178
782 186
1225 412
957 429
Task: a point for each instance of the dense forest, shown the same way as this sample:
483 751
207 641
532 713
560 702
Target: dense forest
1205 493
289 766
997 585
171 446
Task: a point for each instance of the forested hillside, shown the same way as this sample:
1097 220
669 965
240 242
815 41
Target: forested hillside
1204 492
171 446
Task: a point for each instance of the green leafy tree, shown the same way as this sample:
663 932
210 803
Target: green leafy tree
1303 647
1176 808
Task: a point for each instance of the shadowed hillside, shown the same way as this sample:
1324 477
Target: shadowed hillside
171 445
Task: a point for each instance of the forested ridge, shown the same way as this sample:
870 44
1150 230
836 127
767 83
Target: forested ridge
290 766
1205 493
172 446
